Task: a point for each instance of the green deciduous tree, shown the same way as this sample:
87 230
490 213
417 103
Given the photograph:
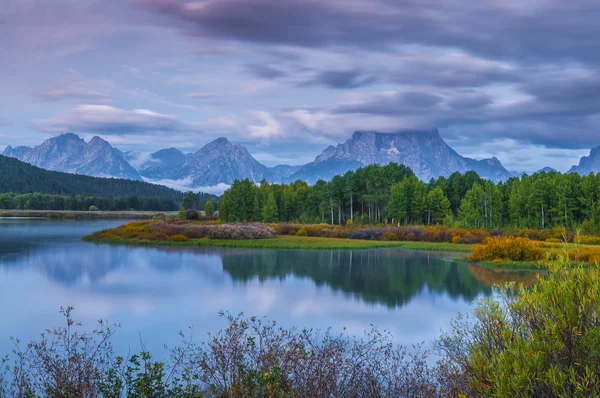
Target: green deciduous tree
270 213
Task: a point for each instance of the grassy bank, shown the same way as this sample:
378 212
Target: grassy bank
505 264
289 242
84 215
186 234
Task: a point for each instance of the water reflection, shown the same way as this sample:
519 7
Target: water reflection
389 276
156 292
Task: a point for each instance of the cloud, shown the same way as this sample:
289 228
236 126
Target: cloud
264 71
75 87
202 96
185 185
110 120
268 128
529 30
392 103
341 79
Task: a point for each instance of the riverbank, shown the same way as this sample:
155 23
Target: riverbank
290 242
84 215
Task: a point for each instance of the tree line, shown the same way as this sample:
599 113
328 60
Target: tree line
38 201
26 187
21 178
392 194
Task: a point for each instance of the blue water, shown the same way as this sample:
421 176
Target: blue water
154 293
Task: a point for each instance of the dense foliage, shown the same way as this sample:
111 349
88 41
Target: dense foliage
27 187
20 177
182 231
392 194
540 341
38 201
507 249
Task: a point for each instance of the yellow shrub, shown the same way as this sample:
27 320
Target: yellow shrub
302 232
179 238
388 235
587 240
507 249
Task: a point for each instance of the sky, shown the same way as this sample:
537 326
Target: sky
515 79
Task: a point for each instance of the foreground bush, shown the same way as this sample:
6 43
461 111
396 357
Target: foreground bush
250 358
536 341
507 249
541 341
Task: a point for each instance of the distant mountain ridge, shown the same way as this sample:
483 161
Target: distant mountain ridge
588 164
69 153
223 162
425 152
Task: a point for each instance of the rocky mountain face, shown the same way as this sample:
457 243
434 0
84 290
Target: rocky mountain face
588 164
281 172
70 154
223 162
218 162
425 152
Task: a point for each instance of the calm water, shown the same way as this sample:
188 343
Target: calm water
154 293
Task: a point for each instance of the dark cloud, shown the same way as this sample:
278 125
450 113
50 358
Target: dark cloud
495 28
264 71
428 105
394 103
452 70
341 79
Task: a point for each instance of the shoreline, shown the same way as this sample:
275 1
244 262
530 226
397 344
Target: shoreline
294 243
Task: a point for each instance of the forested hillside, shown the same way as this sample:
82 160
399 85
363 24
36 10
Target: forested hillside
392 194
29 187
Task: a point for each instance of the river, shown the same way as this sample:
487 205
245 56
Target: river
155 292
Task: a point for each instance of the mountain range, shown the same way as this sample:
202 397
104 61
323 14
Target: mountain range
71 154
425 152
222 162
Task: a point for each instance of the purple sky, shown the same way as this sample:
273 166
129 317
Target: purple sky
519 79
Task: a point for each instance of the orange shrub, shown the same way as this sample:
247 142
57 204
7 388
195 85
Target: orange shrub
507 249
178 238
456 239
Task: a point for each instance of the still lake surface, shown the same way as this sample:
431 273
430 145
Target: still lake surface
153 293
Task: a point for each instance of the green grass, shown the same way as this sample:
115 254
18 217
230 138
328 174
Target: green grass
505 264
296 242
